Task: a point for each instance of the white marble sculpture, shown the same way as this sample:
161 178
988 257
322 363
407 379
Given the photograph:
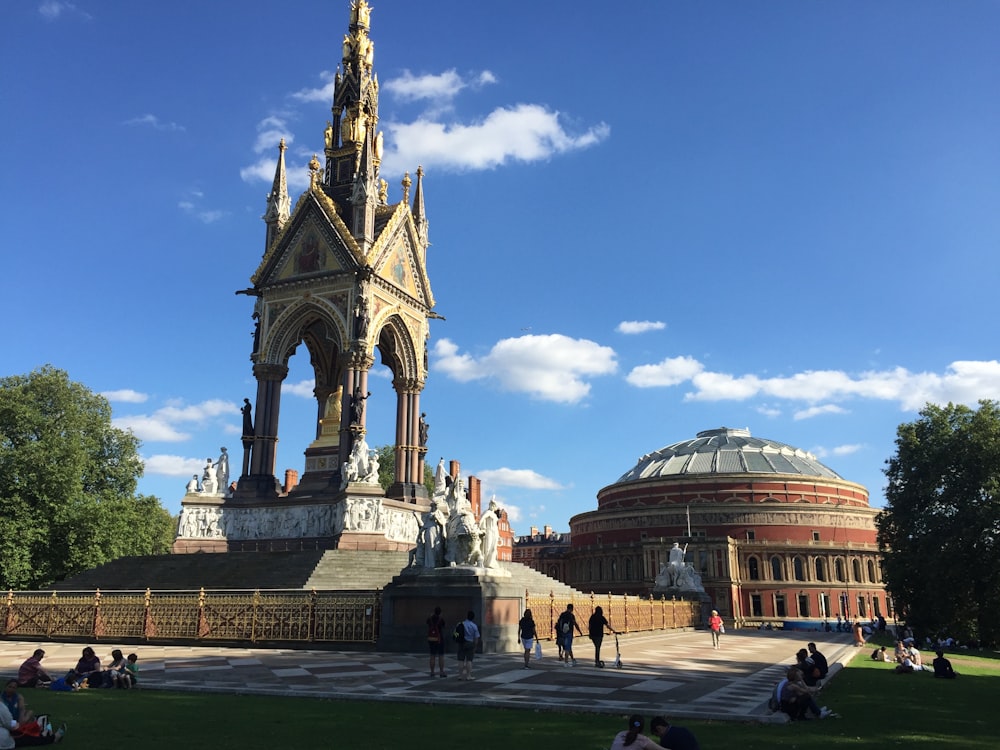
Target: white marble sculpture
361 465
489 526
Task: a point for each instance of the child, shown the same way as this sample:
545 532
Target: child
132 671
116 669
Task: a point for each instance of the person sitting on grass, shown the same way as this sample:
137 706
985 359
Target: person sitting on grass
31 674
942 667
880 654
673 737
18 727
797 698
116 673
87 672
15 704
633 738
132 670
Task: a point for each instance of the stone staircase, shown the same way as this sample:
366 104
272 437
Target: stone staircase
230 570
329 570
355 570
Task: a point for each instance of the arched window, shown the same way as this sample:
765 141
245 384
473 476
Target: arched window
856 570
613 571
871 572
590 571
838 569
628 568
599 573
753 569
820 569
799 569
776 573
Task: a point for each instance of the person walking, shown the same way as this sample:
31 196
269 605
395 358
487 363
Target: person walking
527 633
467 647
435 640
717 628
565 625
595 629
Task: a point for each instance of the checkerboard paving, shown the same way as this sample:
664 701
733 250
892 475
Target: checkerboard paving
676 673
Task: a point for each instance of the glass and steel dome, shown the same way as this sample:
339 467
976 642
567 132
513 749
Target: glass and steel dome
727 451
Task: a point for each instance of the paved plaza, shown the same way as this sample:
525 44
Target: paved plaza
677 673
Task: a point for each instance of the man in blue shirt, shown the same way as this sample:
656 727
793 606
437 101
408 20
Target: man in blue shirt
467 648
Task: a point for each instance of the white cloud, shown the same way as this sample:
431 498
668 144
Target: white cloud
302 389
815 411
525 478
202 215
270 131
640 326
551 367
846 450
768 411
173 466
963 382
671 371
155 122
53 10
164 424
322 94
525 133
435 88
125 395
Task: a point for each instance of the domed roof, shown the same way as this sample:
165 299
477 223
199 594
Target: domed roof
727 451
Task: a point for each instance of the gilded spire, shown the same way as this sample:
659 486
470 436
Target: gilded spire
419 215
279 205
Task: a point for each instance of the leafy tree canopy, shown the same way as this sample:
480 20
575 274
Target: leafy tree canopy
940 530
387 469
67 483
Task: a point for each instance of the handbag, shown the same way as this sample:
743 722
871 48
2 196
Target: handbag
538 650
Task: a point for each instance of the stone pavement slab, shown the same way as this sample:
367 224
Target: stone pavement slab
674 673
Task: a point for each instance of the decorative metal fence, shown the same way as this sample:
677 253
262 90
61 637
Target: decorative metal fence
280 616
627 614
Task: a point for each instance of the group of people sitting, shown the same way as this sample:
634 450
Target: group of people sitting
669 735
795 695
19 727
122 672
907 658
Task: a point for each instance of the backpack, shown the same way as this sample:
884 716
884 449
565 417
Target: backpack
459 634
434 630
562 624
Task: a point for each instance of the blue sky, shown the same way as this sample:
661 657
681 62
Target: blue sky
645 221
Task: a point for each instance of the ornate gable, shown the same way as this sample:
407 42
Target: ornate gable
314 243
397 257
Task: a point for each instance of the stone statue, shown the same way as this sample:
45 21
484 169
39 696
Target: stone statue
361 319
361 465
358 399
440 479
423 429
222 472
490 530
371 477
192 486
209 484
463 534
247 411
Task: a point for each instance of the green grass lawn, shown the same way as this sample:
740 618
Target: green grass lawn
880 709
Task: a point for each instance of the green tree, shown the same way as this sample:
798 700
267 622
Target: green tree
67 483
940 531
387 469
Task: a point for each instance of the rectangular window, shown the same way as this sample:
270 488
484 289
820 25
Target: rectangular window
803 605
815 536
861 606
824 606
878 606
756 606
698 533
779 606
751 535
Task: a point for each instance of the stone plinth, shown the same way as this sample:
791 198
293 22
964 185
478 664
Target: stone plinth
411 597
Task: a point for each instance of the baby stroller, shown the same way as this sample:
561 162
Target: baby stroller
618 653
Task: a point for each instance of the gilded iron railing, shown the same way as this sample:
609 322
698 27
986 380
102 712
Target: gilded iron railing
254 616
627 614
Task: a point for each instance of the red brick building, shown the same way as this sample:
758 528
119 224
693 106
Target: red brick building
775 534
